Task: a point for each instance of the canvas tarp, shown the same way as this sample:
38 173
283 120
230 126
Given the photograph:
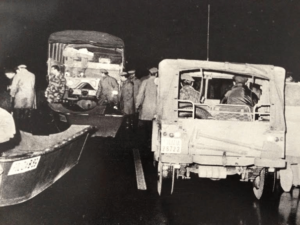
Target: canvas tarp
82 37
169 71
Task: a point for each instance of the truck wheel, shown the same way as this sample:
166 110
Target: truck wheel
164 181
264 184
286 178
258 184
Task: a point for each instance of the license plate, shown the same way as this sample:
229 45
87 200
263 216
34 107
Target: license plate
76 92
92 92
23 166
170 145
62 118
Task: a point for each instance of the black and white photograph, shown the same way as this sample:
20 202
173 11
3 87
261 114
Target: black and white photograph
158 112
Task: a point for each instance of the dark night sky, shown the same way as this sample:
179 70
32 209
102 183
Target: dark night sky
263 32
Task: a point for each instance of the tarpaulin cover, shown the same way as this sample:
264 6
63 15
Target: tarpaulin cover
170 69
92 37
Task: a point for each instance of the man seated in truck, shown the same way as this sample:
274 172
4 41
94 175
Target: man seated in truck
187 92
240 94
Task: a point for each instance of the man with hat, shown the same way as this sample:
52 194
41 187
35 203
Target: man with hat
240 94
22 91
136 83
126 99
187 92
146 103
136 86
126 94
108 89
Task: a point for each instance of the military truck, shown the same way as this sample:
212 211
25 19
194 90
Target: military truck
214 140
81 55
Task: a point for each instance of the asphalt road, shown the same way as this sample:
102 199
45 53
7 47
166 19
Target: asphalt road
102 189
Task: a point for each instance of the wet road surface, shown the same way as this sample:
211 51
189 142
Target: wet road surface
102 189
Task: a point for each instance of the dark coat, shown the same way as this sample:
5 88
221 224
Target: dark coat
108 90
136 86
126 97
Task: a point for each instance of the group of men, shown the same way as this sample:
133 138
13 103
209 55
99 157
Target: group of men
138 99
135 97
239 94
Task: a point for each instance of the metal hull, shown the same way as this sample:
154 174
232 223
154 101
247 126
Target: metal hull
26 170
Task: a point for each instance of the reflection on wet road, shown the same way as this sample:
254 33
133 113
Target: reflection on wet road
102 189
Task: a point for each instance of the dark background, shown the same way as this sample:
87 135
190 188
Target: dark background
263 32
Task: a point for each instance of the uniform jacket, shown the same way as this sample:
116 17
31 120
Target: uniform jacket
126 97
146 99
239 95
187 92
22 89
106 88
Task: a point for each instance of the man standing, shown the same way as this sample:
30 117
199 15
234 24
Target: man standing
108 89
126 95
126 99
136 85
22 89
146 103
23 97
57 85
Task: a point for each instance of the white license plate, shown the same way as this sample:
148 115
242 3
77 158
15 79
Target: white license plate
92 92
23 166
76 92
62 118
170 145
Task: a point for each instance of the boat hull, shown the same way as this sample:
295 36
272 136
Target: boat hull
26 171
